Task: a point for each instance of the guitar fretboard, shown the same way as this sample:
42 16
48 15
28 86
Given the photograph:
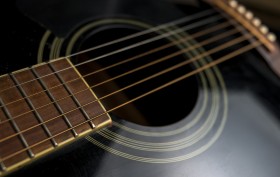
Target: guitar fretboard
42 108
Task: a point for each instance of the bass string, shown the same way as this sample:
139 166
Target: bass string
213 39
214 50
235 53
142 67
182 51
147 41
233 42
195 35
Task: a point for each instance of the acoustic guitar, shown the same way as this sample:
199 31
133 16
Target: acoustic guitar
138 88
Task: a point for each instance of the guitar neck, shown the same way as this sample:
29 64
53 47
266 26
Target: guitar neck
42 108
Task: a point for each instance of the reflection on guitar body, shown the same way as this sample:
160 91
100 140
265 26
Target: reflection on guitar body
149 88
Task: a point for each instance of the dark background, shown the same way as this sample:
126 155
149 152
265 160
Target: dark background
267 10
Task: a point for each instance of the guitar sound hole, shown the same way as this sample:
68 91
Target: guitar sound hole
164 107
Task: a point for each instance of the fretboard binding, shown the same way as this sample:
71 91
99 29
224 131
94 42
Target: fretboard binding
59 108
39 117
15 126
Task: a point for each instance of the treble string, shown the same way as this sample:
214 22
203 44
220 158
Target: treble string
154 29
244 49
207 41
195 35
147 41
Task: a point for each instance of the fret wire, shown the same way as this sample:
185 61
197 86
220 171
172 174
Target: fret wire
39 117
36 113
15 126
58 106
85 114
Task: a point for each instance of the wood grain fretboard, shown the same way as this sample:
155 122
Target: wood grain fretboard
42 108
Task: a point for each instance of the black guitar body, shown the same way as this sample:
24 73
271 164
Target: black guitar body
224 121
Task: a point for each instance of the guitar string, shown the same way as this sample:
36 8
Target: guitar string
203 43
214 63
147 41
154 29
216 49
195 35
141 81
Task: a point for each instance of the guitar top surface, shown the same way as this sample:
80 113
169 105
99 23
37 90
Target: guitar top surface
223 121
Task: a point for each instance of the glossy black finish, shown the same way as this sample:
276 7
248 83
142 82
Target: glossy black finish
248 145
